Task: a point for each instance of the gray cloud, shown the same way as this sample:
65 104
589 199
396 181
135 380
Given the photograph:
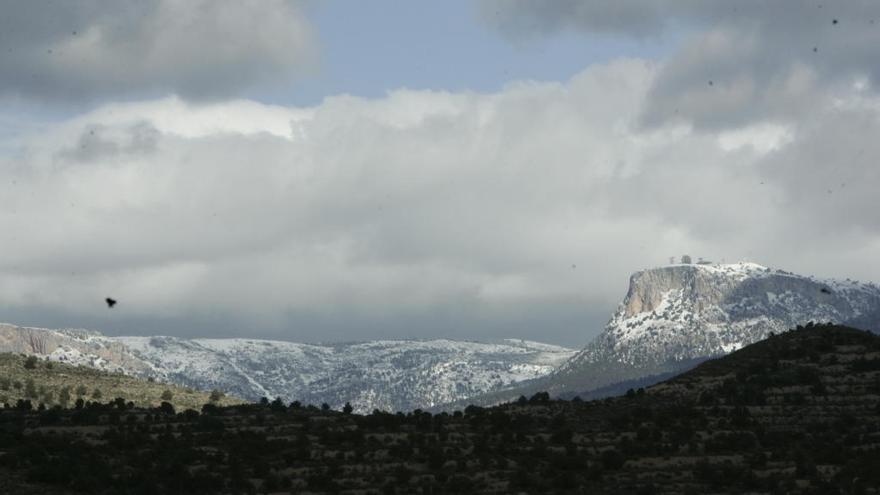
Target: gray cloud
199 49
519 213
743 60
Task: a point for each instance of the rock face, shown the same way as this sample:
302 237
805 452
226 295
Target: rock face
677 315
387 375
73 346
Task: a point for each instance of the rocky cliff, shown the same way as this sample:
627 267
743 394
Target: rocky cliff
677 315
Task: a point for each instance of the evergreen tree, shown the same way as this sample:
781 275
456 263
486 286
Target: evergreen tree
30 390
30 363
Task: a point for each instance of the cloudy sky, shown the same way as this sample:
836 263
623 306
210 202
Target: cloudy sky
339 170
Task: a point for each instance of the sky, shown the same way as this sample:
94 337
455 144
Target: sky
345 171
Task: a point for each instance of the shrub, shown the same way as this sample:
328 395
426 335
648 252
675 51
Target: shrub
30 363
540 397
30 390
167 395
216 395
166 408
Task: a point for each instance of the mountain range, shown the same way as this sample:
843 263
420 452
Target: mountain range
674 317
795 413
671 318
390 375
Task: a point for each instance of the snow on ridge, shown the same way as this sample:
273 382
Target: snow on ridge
383 374
687 311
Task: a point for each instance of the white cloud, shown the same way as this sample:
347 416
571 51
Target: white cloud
761 138
420 210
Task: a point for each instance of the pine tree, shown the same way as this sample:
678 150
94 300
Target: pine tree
30 363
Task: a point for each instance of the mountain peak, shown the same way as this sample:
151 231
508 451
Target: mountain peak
675 315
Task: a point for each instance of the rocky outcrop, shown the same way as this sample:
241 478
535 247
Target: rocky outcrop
72 346
678 315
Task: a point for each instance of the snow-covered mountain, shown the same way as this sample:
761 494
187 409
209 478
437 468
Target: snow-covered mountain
675 315
671 318
387 375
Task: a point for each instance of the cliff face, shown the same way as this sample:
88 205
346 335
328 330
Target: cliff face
677 315
72 346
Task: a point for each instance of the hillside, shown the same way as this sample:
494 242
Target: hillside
51 383
796 413
391 375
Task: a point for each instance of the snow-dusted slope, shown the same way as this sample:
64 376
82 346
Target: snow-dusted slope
387 375
680 313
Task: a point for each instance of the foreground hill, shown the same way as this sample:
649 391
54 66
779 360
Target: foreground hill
392 375
51 384
796 413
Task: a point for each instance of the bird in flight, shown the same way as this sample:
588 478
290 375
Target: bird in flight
110 302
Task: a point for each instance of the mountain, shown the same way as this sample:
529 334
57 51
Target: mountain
671 319
677 316
386 375
796 413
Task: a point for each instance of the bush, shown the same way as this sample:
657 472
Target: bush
166 408
540 397
216 395
30 390
167 395
30 363
96 394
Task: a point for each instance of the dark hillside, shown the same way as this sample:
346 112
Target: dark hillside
796 413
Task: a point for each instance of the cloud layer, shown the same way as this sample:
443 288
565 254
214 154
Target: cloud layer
743 61
196 48
422 214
